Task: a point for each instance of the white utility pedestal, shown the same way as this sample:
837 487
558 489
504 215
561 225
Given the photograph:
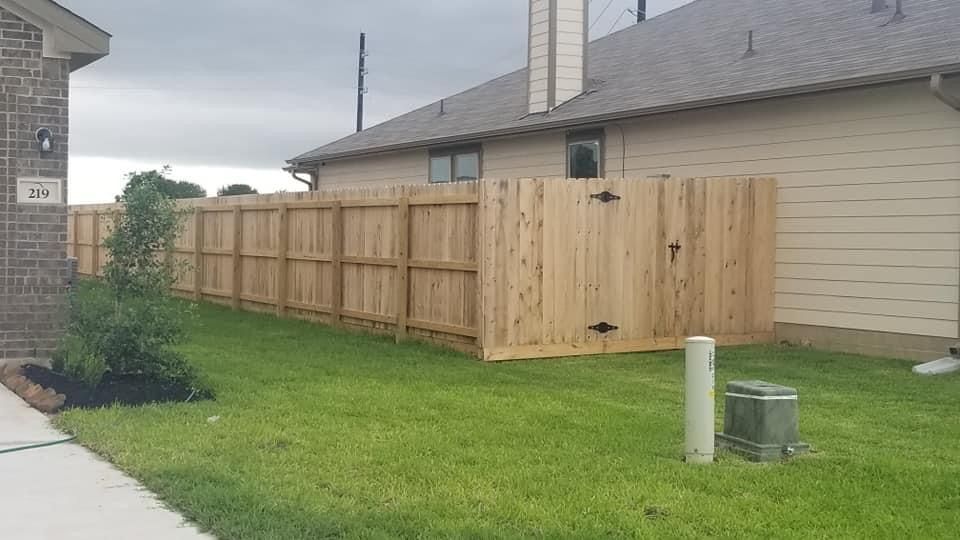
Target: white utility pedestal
699 399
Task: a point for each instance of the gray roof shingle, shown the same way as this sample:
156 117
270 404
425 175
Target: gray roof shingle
690 57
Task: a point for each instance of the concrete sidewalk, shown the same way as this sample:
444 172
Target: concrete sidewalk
66 492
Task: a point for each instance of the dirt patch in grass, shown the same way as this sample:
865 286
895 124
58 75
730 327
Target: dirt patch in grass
113 389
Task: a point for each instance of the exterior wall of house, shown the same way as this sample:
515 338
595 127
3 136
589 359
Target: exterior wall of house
868 232
33 272
530 156
393 168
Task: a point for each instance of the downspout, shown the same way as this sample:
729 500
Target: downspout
936 86
310 183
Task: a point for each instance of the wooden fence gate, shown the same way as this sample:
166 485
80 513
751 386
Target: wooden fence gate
583 267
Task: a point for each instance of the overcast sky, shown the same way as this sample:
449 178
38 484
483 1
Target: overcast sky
226 90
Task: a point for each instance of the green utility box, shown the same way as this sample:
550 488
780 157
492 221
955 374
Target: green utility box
761 421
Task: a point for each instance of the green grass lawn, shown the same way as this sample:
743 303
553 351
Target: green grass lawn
324 434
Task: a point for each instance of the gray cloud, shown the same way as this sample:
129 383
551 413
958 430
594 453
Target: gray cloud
247 83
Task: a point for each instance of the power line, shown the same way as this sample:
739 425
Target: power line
616 22
604 10
200 89
174 89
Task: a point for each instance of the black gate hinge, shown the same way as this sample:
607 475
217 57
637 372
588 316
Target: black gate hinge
603 327
605 197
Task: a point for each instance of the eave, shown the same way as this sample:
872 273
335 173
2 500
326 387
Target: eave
66 35
871 80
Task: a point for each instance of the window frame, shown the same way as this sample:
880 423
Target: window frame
597 135
452 152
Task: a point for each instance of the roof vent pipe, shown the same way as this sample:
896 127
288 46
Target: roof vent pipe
878 6
898 15
750 50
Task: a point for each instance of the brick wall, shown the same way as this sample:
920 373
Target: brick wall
33 239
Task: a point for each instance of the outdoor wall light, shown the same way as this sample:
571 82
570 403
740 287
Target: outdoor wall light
45 139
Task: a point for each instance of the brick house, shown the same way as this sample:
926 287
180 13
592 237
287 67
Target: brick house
853 105
41 43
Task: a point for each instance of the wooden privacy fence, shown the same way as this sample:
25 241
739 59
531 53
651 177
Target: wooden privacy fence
507 269
401 258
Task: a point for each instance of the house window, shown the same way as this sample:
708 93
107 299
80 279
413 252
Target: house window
440 169
455 164
585 154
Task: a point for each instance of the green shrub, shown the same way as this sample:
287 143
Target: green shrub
134 337
75 359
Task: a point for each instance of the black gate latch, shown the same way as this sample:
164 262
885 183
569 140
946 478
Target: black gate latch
605 197
674 249
603 327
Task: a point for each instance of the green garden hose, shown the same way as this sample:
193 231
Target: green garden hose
35 446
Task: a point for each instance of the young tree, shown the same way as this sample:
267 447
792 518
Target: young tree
142 241
171 188
236 189
132 324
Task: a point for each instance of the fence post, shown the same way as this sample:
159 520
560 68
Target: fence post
403 266
336 258
76 237
198 253
282 249
95 249
237 259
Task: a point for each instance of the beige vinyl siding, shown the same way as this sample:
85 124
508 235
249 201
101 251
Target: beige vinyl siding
540 155
868 230
393 168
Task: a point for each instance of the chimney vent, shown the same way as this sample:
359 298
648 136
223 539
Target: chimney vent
557 53
878 6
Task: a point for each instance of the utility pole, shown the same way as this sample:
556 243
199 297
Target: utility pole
361 81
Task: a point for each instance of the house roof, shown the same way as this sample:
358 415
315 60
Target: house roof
693 57
66 34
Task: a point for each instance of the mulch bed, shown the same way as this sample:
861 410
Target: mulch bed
121 390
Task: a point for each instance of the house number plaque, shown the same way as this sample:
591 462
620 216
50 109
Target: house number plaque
39 191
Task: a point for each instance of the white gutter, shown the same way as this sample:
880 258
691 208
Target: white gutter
936 86
294 172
